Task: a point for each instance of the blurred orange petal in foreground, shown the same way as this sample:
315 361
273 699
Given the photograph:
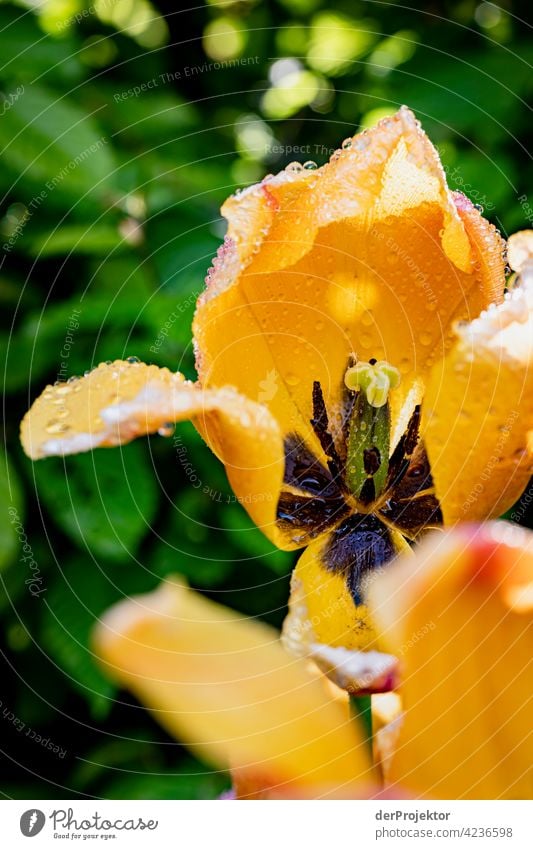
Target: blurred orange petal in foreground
460 619
224 684
458 615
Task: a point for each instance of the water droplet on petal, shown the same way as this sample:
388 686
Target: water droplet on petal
56 427
167 429
292 379
133 360
425 338
347 143
310 165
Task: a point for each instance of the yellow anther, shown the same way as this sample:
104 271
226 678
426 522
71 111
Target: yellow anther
374 379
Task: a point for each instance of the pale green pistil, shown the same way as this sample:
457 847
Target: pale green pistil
374 379
369 430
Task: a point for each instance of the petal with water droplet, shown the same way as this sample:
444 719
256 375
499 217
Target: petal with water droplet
477 415
373 234
123 400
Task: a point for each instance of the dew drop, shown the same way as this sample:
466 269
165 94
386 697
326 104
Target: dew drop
63 390
347 143
294 167
319 326
131 360
292 379
367 318
56 427
167 429
425 338
366 340
310 165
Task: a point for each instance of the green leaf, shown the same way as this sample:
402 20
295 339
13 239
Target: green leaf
93 239
28 54
104 501
11 507
52 147
190 781
81 593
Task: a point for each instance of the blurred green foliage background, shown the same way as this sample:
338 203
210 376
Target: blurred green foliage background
124 124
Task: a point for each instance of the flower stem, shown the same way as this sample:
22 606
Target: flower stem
361 708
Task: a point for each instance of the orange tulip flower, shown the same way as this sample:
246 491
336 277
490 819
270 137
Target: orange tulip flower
349 376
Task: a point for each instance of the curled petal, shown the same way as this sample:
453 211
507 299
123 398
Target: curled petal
224 685
459 617
477 415
120 401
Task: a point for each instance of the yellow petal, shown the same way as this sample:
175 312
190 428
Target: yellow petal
477 415
369 254
120 401
459 617
321 609
323 613
225 686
